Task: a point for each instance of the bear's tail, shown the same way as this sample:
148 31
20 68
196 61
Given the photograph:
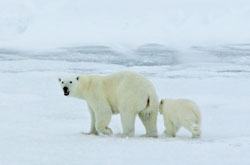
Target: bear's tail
151 104
148 102
149 115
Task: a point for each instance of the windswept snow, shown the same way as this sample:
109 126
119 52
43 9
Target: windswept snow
196 49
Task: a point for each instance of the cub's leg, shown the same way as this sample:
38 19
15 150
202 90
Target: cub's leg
170 129
192 127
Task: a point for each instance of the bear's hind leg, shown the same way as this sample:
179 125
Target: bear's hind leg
128 123
149 121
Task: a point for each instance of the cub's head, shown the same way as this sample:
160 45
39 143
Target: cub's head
161 106
164 103
69 85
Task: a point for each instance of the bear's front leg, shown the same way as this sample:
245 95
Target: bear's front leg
103 116
92 126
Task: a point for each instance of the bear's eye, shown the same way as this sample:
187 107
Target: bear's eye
70 82
62 82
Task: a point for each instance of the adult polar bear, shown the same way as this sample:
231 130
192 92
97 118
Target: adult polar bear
127 93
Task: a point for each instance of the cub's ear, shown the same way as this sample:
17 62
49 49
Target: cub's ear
77 78
59 79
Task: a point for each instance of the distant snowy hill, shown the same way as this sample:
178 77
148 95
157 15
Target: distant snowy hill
47 23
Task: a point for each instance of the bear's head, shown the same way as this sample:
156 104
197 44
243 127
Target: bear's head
69 85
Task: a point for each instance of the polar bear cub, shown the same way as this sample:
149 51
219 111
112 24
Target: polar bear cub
124 93
180 112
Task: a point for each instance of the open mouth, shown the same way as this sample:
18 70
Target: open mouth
66 93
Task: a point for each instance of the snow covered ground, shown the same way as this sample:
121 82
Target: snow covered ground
41 126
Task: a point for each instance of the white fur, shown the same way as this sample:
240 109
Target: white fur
180 112
126 93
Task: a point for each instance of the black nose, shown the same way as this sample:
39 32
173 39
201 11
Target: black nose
65 89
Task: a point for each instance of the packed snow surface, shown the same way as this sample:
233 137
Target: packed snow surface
39 125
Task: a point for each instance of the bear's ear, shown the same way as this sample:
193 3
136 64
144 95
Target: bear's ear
59 79
77 78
